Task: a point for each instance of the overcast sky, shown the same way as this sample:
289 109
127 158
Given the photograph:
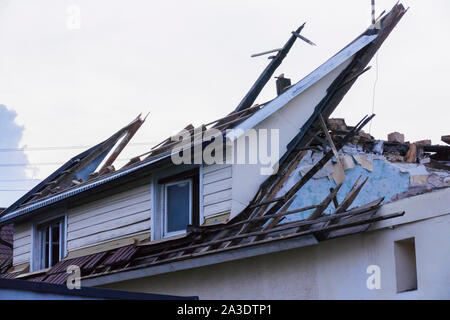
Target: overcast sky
189 62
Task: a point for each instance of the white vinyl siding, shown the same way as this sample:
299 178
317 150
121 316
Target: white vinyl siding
217 183
121 215
22 243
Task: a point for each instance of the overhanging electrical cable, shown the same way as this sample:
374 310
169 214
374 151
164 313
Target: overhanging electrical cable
374 91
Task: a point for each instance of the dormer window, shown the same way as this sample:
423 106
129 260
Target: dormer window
50 248
179 205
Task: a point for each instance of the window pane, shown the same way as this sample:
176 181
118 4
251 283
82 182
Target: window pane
178 206
51 245
44 247
55 243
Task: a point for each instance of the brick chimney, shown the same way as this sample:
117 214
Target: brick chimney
282 83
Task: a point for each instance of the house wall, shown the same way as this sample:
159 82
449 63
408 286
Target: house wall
22 243
124 214
333 269
121 215
217 179
226 188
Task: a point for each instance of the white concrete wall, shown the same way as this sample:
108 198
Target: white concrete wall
334 269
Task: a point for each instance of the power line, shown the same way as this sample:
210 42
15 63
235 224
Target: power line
374 91
37 164
53 148
14 180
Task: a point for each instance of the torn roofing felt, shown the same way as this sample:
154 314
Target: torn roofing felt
356 56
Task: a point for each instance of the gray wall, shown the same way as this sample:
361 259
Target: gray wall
332 269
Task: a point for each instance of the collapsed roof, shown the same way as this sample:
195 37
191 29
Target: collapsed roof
79 176
262 221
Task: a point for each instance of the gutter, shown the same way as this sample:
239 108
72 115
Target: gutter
87 186
76 190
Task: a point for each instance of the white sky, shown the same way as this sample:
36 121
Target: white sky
189 62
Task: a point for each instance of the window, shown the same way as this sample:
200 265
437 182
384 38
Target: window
177 207
50 249
405 265
179 203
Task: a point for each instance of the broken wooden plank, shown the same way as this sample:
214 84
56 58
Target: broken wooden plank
335 201
264 203
324 204
129 135
446 139
351 196
280 216
283 237
217 240
320 164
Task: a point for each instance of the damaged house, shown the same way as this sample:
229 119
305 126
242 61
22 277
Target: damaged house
342 215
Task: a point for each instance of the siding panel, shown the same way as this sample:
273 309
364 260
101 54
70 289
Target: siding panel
22 243
100 218
217 184
218 175
114 223
128 231
21 258
217 208
217 197
123 214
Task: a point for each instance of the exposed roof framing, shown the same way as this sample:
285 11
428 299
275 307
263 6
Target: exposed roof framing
256 225
261 222
80 167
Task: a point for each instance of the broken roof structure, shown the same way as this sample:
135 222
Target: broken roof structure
263 225
78 176
82 167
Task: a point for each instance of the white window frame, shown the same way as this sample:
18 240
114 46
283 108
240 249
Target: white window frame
37 261
165 233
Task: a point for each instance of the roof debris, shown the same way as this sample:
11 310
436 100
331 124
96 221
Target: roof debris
259 223
323 149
